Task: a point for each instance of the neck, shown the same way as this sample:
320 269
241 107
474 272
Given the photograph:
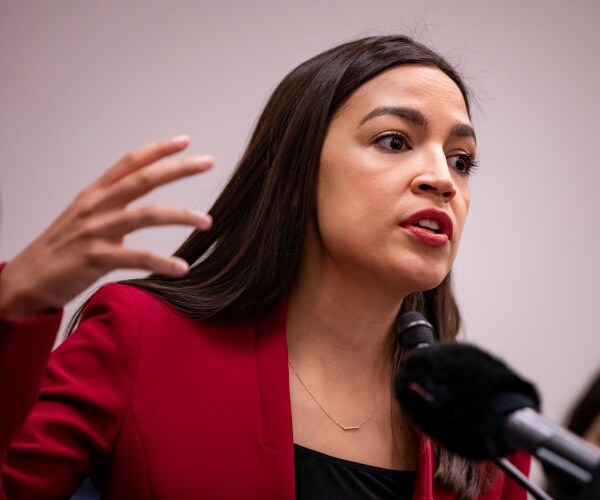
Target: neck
340 335
340 323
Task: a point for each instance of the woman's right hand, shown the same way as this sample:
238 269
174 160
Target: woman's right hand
86 241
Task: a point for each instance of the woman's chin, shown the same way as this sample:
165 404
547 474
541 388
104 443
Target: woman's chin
421 280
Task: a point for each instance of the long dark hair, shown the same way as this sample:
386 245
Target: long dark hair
249 260
587 408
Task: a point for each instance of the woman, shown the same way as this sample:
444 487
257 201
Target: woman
265 371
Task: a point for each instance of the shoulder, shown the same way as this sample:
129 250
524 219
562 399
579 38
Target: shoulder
126 307
118 298
157 333
120 307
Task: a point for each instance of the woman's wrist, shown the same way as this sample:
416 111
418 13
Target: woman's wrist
17 300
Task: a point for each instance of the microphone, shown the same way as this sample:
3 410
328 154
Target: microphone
474 405
414 331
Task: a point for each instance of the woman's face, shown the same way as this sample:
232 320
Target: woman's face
393 187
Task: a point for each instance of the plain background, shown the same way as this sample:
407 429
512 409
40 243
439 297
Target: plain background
82 82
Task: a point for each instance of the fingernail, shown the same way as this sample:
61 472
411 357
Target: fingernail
181 266
180 140
204 221
202 160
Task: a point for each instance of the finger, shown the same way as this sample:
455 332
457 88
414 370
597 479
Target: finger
145 180
118 224
114 257
142 156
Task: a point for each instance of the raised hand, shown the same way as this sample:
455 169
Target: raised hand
86 241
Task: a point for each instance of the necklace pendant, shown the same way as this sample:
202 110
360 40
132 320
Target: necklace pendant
329 416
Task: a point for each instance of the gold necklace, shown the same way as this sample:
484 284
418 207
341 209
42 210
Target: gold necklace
329 415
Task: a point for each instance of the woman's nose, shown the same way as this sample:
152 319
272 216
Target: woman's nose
435 178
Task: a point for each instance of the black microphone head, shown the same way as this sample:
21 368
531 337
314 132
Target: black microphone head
413 329
460 396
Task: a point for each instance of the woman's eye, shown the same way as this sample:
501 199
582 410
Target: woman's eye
465 164
392 142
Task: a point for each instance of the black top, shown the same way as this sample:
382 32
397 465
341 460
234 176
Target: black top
320 476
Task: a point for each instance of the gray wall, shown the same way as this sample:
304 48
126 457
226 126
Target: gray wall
82 82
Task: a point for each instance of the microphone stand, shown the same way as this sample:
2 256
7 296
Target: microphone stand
521 479
565 453
588 491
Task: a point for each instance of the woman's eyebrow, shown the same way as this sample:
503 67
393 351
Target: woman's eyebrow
463 130
410 114
418 118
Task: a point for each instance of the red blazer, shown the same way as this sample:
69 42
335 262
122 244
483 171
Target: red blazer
157 405
24 349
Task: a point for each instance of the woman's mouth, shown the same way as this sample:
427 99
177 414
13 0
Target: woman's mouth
429 224
432 227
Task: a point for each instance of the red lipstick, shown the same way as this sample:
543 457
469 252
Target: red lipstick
432 227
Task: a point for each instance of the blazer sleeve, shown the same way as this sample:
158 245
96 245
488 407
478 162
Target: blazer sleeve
82 402
24 349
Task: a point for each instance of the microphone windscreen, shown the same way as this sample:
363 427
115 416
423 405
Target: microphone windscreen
413 329
460 396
